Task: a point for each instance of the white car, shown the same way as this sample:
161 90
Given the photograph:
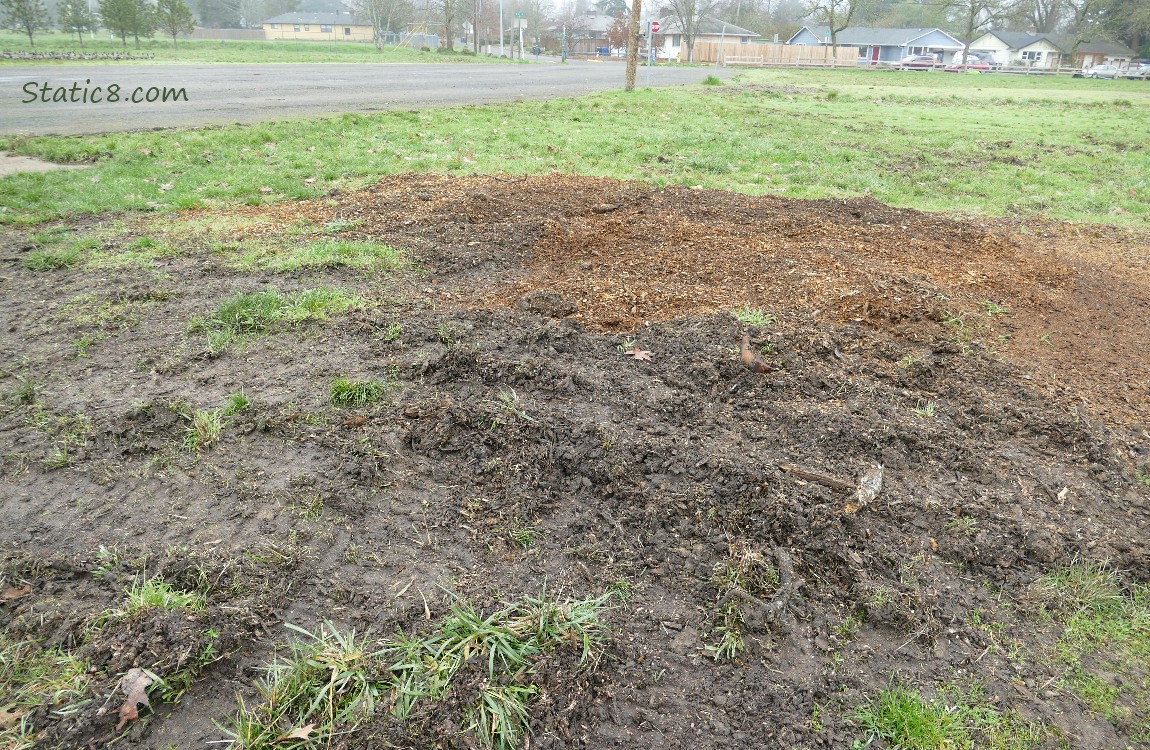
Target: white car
1101 71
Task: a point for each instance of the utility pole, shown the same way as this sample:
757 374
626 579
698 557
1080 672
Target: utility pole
501 28
633 44
564 45
719 54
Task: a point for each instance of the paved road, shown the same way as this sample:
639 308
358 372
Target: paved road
221 94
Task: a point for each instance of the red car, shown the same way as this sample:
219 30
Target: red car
917 62
971 64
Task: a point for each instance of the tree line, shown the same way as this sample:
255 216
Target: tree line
124 18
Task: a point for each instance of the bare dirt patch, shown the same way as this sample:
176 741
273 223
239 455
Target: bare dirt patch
10 164
996 371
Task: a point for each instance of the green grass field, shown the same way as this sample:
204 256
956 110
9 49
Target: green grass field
228 51
1065 148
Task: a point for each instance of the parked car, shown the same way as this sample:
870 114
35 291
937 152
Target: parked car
1138 72
917 62
971 64
1101 71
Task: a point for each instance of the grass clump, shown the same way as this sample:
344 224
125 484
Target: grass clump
156 593
1105 642
349 392
749 316
712 80
250 314
325 681
237 402
336 253
746 572
32 677
205 429
956 718
329 683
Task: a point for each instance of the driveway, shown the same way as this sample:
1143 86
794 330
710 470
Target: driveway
58 99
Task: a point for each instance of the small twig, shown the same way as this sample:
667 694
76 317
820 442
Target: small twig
817 476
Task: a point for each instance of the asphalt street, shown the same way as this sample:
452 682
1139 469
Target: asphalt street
50 100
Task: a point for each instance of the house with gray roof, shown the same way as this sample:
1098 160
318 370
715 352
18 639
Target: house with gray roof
1050 51
709 31
885 45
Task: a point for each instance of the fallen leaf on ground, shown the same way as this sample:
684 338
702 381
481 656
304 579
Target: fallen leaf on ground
265 190
356 421
309 181
8 718
11 592
297 734
135 684
638 353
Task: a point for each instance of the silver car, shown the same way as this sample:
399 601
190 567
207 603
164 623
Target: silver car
1102 71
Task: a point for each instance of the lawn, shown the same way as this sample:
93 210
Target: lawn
162 50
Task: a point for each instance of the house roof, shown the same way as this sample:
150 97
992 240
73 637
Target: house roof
1064 42
867 36
707 25
323 19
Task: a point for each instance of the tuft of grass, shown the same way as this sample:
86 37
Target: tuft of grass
751 317
237 402
250 314
750 572
1105 641
924 409
34 678
712 80
349 392
205 430
53 260
329 682
156 593
903 718
337 253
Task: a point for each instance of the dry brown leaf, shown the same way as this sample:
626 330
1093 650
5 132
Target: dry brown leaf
637 353
8 718
135 684
356 421
301 733
265 190
11 592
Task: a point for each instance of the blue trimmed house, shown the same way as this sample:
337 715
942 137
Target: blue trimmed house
878 45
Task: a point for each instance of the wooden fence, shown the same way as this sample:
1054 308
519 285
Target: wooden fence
760 55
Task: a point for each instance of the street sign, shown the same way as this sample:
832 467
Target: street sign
520 14
654 27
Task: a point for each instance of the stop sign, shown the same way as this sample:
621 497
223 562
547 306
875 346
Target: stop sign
654 27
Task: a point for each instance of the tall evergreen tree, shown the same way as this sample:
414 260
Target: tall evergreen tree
174 17
76 18
128 17
25 17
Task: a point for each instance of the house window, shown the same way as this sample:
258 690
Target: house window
275 25
325 28
307 27
347 31
675 40
296 27
744 40
1031 55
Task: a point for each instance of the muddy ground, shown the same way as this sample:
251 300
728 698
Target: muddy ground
997 370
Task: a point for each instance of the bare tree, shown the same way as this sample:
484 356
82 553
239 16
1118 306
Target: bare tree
383 15
975 16
836 14
689 15
450 10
